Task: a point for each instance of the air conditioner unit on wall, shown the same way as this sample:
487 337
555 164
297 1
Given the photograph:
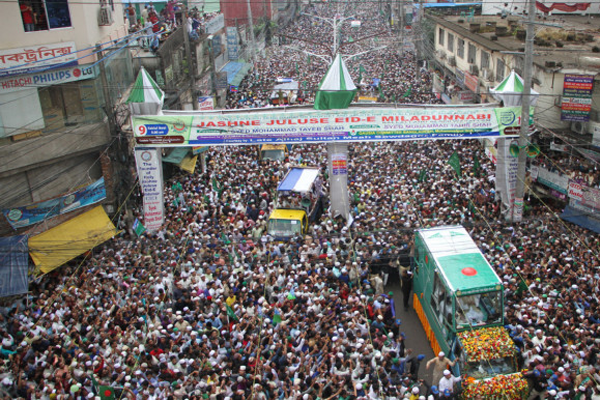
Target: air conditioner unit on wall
473 69
452 61
105 17
579 127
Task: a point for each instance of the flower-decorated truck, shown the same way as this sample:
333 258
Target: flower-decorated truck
459 299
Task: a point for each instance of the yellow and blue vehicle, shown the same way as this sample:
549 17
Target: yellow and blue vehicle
297 197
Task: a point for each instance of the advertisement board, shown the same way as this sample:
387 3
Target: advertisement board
22 60
232 43
47 78
577 97
350 125
19 217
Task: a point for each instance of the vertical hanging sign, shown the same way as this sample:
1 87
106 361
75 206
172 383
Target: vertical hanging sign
577 97
339 164
149 169
337 154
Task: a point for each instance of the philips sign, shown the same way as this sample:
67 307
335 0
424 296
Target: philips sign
52 77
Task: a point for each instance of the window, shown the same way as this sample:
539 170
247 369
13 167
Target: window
472 54
485 60
61 106
43 15
451 42
499 70
441 33
460 48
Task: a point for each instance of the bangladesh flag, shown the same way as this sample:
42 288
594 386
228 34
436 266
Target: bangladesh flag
337 89
407 93
106 393
138 228
454 162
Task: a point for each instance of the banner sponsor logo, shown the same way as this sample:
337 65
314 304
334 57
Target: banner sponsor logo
19 217
149 169
352 125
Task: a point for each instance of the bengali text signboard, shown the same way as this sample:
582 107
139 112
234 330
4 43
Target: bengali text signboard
27 59
577 97
350 125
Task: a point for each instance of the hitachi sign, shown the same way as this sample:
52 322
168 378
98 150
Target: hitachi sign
47 78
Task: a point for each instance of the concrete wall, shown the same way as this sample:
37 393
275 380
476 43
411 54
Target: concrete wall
85 31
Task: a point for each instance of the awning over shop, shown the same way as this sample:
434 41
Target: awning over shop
177 155
56 246
188 164
236 71
581 218
14 265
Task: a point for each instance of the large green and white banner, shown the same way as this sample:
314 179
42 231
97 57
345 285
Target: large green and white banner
312 126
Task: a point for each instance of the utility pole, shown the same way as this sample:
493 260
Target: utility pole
251 27
188 53
418 37
213 72
335 24
401 12
517 207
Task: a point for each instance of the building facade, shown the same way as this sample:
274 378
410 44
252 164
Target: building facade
57 114
474 54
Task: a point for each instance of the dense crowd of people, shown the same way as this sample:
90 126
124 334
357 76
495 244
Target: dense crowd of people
211 307
384 73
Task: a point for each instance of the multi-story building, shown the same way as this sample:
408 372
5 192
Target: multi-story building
57 115
473 54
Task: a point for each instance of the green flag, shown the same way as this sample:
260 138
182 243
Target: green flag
231 314
476 165
297 69
94 381
308 59
422 175
138 228
106 393
454 162
407 93
276 319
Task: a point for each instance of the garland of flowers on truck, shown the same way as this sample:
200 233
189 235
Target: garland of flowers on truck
500 387
487 344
